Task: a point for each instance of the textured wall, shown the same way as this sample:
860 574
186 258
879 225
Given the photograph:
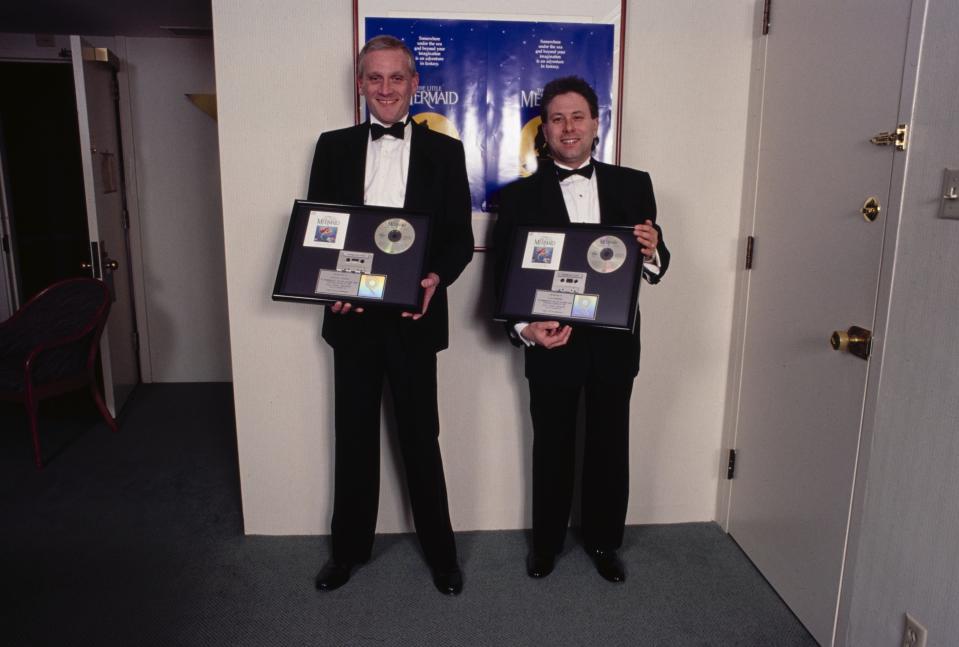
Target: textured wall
906 558
283 76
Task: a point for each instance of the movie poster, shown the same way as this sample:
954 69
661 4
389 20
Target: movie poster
481 82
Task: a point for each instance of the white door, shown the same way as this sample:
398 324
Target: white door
832 78
94 74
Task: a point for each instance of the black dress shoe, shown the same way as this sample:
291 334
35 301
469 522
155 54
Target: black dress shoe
333 575
449 582
608 564
539 564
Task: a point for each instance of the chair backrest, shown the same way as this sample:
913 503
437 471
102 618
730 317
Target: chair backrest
67 308
73 310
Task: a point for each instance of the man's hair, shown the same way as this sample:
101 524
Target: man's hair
385 42
565 84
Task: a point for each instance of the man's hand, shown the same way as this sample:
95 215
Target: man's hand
344 307
648 238
547 334
429 289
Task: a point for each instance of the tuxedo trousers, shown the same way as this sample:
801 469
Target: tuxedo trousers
605 476
360 370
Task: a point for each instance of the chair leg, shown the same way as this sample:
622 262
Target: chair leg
102 407
32 413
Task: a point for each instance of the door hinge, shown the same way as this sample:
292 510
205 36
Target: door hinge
5 242
766 6
136 341
731 465
126 218
750 242
899 137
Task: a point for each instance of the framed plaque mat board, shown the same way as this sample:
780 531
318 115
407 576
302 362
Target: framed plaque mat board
369 256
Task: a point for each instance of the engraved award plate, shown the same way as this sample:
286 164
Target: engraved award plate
552 304
344 284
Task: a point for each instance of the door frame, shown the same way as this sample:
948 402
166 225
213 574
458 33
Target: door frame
23 48
887 271
9 290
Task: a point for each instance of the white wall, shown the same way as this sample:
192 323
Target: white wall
180 234
686 93
906 557
283 76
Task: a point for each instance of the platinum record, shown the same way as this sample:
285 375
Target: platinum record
394 236
606 254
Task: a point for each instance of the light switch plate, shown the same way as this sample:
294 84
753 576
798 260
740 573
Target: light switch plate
949 197
914 634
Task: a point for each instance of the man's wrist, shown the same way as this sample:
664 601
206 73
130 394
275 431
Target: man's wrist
519 328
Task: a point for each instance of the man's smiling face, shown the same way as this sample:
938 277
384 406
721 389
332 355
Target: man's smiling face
570 129
387 84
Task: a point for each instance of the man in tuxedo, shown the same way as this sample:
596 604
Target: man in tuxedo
391 161
562 361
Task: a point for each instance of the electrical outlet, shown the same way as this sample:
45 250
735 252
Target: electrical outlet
914 635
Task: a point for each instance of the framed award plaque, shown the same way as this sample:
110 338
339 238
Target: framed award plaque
579 274
361 254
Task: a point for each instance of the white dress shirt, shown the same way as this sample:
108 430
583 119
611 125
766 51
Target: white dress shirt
387 166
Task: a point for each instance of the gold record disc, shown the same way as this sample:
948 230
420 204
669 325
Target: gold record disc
606 254
394 236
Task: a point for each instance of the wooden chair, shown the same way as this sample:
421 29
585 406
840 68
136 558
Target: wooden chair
49 346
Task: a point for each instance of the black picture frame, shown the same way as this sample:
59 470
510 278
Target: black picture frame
309 266
616 292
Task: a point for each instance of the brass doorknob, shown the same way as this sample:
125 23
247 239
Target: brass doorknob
111 264
85 266
856 340
871 208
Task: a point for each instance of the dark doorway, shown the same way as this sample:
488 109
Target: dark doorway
40 145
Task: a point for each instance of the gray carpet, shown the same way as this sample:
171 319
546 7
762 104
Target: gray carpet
136 539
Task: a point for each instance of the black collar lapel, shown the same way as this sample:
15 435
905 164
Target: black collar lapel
554 207
420 169
355 162
605 193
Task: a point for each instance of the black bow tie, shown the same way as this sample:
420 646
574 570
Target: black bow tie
397 130
585 171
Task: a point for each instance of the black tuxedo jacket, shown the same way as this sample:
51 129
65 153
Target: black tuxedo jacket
436 182
625 198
